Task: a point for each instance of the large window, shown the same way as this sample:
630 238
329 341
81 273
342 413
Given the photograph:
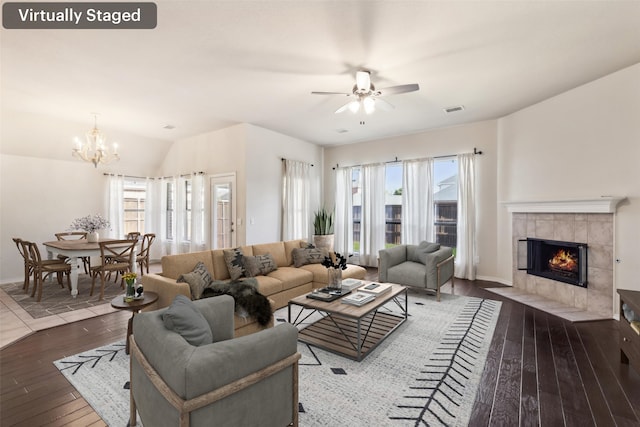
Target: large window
170 210
134 205
393 205
445 196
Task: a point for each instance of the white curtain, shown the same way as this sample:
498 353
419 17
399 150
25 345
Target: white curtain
296 191
198 241
372 228
166 228
417 201
466 255
153 215
343 224
115 205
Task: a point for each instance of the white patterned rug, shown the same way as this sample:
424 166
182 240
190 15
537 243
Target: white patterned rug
425 373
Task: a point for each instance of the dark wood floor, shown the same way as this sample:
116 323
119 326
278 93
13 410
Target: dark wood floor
541 370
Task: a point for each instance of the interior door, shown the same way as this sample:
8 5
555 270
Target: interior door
223 211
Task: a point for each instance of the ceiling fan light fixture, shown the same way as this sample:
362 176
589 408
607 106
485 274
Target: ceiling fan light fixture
369 105
354 106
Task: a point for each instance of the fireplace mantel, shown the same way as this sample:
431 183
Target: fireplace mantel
599 205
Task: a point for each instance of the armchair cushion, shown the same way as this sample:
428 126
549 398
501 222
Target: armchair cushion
419 253
184 318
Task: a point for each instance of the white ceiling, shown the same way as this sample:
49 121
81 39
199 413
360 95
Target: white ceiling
211 64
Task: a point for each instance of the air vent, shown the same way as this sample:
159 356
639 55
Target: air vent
454 109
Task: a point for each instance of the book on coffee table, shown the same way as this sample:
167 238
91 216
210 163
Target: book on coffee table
376 288
358 299
351 284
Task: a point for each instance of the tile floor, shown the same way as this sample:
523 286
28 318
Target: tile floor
16 323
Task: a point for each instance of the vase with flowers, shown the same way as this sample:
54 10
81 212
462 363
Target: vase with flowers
130 280
90 224
335 264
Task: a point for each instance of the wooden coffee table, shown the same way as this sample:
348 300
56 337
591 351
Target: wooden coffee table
134 306
346 329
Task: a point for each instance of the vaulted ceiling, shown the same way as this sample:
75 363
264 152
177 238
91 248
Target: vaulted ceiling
211 64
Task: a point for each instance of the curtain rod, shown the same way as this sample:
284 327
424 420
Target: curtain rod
149 177
283 159
475 151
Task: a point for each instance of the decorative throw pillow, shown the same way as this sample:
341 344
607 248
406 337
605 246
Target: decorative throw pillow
235 263
198 279
419 253
184 318
259 265
307 256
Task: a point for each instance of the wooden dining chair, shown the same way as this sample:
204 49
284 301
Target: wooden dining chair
25 257
143 256
115 256
44 268
133 235
75 235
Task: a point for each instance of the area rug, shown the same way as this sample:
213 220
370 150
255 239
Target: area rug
56 300
425 373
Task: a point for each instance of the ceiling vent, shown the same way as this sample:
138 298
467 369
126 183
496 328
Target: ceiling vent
457 108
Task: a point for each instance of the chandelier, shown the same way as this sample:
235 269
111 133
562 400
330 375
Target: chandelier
94 149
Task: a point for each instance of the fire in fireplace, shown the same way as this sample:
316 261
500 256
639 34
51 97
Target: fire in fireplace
556 260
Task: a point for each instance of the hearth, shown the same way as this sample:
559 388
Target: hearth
557 260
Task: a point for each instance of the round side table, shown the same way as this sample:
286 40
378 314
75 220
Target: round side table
134 306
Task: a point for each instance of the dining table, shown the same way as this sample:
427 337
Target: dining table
74 250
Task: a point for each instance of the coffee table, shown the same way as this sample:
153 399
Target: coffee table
346 329
134 307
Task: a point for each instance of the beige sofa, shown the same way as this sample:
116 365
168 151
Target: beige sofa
279 286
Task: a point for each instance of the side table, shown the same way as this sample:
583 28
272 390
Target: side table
629 339
134 306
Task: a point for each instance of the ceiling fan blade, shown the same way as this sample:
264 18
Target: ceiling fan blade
363 80
398 89
330 93
384 105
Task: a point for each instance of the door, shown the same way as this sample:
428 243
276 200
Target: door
223 211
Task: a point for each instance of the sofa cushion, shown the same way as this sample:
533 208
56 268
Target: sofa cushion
175 265
234 259
220 271
259 265
419 253
184 318
292 277
268 285
197 279
290 245
304 256
276 250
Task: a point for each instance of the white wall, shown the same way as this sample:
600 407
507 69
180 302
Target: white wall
264 154
439 142
584 143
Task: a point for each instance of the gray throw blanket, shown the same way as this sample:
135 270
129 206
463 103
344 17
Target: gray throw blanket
246 295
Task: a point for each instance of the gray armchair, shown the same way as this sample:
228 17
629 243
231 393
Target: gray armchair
427 266
246 381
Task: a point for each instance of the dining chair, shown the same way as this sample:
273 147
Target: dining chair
115 256
75 235
133 235
25 258
44 268
143 257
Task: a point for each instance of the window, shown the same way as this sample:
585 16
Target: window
170 210
134 205
393 205
445 196
187 208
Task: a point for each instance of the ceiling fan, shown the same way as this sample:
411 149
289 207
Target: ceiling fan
366 96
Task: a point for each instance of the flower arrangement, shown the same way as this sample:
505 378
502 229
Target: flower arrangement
89 223
129 277
339 263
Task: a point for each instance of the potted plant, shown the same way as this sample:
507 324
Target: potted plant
323 229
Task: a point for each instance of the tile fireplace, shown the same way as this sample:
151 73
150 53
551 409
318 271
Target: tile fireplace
554 259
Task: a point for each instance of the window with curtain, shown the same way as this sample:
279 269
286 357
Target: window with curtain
445 199
466 254
296 189
135 195
184 216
